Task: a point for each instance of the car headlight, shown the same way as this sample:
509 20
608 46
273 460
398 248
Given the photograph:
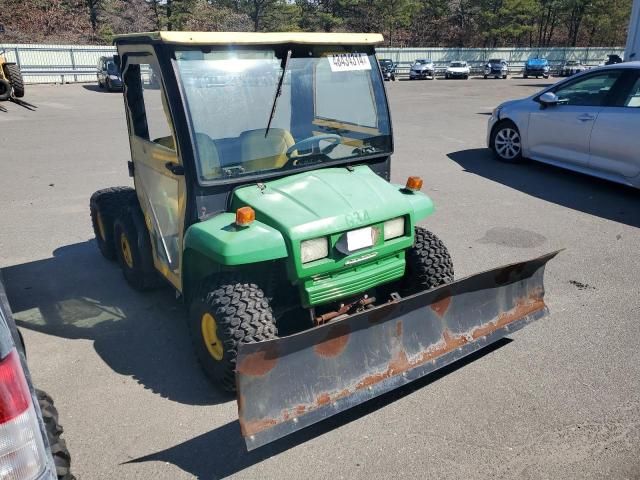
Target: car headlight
113 77
394 228
314 249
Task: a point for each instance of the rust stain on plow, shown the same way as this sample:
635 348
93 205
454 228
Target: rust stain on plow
323 399
399 329
449 341
335 342
441 305
521 310
259 363
397 365
248 428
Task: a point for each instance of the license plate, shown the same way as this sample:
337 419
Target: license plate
359 239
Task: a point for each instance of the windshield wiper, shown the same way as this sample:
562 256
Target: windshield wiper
278 92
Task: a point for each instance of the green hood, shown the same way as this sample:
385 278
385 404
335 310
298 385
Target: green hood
330 200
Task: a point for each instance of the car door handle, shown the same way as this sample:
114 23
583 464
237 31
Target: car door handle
174 168
586 117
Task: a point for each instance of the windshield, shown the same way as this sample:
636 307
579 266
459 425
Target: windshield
331 108
111 67
386 63
422 62
458 64
495 60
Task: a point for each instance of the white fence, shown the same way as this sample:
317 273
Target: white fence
77 63
56 63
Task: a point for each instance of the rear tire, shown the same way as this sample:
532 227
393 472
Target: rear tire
133 249
14 75
506 142
59 450
228 310
105 206
5 90
429 264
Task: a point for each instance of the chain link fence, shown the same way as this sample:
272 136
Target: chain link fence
77 63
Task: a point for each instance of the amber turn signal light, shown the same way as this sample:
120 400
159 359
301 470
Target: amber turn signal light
244 216
414 184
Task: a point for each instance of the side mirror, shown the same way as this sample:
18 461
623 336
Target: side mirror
548 99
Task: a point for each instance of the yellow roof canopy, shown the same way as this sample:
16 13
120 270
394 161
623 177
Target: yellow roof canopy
252 38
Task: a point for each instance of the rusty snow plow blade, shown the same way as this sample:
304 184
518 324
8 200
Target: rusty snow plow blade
292 382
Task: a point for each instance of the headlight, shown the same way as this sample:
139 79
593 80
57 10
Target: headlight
314 249
113 77
394 228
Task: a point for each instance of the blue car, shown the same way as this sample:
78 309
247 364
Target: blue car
536 67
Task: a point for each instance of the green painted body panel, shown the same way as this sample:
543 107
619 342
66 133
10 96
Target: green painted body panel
227 244
323 289
330 202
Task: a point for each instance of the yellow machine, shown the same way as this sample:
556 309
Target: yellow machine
11 82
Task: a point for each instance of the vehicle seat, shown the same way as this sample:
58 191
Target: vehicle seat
209 156
260 153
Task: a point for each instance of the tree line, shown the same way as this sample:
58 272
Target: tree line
404 23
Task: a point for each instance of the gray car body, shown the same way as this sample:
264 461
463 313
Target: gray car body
422 70
619 163
9 339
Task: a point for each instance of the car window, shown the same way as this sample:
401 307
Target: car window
633 98
591 91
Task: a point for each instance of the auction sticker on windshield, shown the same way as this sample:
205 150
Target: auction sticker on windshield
348 62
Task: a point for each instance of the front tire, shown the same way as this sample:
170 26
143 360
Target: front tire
429 264
506 142
229 310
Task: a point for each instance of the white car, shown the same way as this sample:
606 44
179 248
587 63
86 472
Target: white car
457 69
589 123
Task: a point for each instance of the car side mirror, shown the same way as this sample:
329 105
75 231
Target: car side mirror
548 99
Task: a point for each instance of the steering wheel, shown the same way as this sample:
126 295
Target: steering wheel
311 142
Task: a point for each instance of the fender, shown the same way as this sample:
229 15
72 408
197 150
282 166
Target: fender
221 240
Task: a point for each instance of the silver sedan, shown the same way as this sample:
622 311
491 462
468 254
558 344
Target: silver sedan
589 123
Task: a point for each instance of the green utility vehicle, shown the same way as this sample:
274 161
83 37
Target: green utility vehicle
261 164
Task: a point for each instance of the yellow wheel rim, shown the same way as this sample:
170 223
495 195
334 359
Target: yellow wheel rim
210 336
100 226
126 250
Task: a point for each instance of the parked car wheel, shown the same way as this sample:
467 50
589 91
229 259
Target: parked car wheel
545 76
506 142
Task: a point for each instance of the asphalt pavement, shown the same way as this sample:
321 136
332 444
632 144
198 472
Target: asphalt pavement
559 399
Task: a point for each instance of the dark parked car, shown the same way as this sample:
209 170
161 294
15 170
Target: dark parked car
421 69
109 74
497 68
613 59
571 67
388 68
31 447
536 67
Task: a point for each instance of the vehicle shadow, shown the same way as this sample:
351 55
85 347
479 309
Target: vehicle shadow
77 294
230 455
535 85
572 190
96 88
